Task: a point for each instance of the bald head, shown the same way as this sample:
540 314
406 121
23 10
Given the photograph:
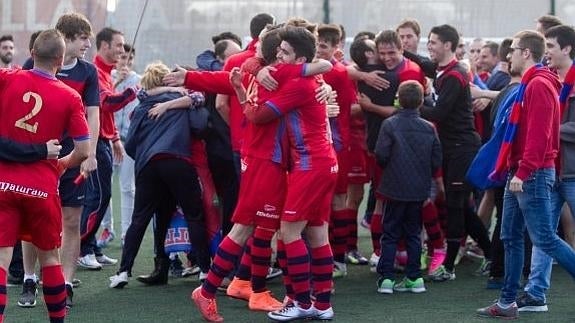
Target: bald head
48 50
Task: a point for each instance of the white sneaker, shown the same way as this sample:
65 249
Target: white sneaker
273 272
89 262
339 269
202 277
119 280
323 315
292 312
106 261
373 260
190 271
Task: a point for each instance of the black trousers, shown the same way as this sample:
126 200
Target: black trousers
160 185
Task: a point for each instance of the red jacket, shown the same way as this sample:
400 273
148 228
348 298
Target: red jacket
537 141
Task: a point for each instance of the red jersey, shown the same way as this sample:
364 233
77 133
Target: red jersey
36 107
339 80
109 101
306 122
236 116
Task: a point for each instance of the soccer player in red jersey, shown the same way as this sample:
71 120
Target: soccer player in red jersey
311 181
35 108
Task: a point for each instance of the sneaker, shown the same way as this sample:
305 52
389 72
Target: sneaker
292 312
323 315
190 271
89 262
273 272
176 268
436 260
385 286
119 280
373 261
495 283
497 311
354 257
105 238
474 252
224 285
69 296
207 307
408 285
339 269
442 274
202 277
240 289
29 293
106 261
484 268
76 283
364 224
526 303
264 301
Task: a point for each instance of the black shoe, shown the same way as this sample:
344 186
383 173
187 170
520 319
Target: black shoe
29 293
69 296
160 274
176 268
526 303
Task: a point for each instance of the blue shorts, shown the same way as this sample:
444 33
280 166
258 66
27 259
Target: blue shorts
71 195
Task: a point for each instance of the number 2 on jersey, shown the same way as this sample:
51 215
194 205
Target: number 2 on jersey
22 123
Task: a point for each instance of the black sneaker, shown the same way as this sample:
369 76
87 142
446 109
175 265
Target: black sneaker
69 296
29 293
526 303
176 268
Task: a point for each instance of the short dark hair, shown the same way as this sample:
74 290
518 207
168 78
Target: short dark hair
49 45
270 43
389 37
565 36
259 22
302 41
548 21
72 24
227 35
6 37
493 47
302 22
447 33
32 39
410 23
129 49
106 35
410 94
343 33
532 40
364 34
221 47
357 52
330 33
505 49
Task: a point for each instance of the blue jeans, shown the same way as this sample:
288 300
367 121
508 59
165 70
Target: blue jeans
98 194
532 209
541 263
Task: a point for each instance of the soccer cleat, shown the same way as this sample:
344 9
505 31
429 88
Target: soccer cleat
119 280
385 286
29 293
207 307
106 261
240 289
354 257
190 271
264 301
273 272
408 285
69 296
89 262
442 274
526 303
484 268
373 261
496 311
105 238
292 312
339 269
323 315
436 260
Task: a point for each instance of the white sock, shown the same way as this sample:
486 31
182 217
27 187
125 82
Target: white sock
32 276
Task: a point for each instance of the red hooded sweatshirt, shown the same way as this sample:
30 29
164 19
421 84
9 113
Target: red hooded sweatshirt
537 141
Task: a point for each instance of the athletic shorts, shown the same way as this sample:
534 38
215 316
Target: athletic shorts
309 196
358 172
262 193
455 166
343 169
71 194
375 172
34 219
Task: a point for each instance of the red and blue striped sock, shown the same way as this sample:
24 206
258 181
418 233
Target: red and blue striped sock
376 226
261 253
338 234
282 261
299 271
321 271
54 289
223 263
351 224
244 271
432 227
3 294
